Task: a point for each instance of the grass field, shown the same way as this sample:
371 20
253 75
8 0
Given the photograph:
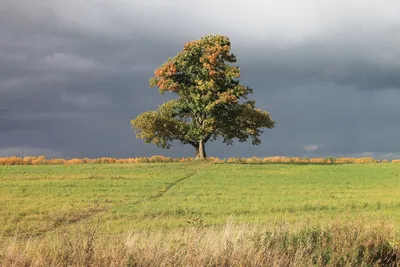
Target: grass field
39 202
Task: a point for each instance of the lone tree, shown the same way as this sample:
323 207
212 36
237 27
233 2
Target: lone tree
210 100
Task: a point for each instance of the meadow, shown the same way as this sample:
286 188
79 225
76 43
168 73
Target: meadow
200 214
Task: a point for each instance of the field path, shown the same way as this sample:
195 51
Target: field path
169 186
93 212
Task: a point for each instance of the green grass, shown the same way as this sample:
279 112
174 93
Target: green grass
37 200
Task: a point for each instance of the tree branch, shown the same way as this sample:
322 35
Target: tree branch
193 143
207 138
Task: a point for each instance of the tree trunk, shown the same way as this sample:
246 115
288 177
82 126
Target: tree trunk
201 150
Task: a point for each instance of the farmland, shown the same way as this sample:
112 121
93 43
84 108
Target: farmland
166 199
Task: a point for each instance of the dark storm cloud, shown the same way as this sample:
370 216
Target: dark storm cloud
74 73
363 60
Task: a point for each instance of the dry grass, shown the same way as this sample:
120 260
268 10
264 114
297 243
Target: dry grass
337 244
41 160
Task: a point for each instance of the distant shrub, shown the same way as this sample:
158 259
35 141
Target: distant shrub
56 161
41 160
74 161
142 160
365 160
28 160
300 160
233 160
160 159
254 160
277 160
317 160
10 161
215 160
345 160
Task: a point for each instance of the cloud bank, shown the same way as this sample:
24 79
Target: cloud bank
73 73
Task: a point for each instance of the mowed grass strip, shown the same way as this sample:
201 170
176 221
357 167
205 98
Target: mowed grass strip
39 199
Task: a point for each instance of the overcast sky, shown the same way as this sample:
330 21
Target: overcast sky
74 73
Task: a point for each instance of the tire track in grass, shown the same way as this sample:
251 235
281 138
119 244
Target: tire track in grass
169 186
165 190
90 216
91 213
156 196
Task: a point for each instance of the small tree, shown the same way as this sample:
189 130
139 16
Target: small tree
210 100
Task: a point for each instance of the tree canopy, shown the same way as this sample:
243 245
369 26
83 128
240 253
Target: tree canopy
210 101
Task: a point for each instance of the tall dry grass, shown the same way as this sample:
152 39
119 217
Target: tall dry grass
338 244
41 160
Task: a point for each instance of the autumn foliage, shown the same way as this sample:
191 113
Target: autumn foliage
42 160
210 101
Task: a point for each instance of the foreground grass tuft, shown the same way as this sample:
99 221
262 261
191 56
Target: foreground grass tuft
337 244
